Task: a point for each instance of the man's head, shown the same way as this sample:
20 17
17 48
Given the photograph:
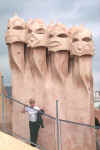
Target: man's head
32 102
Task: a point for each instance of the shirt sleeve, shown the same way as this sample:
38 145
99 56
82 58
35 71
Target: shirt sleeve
37 108
26 109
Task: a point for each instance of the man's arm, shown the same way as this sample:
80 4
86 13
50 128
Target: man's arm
25 109
40 120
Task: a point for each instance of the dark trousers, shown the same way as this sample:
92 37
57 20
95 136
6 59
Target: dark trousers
34 128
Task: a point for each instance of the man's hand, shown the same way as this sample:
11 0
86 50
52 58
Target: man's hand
23 110
42 111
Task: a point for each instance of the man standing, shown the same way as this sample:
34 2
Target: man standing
35 120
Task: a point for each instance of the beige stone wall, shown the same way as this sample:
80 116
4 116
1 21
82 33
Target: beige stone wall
50 63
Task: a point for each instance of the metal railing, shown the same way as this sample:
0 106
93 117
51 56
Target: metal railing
56 119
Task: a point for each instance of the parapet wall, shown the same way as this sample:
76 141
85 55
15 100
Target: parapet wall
7 108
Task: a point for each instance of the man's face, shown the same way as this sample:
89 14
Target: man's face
82 44
32 104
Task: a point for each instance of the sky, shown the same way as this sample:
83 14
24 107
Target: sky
68 12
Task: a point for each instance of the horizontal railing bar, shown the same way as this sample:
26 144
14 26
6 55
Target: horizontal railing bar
51 117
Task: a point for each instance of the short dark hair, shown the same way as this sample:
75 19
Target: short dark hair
31 101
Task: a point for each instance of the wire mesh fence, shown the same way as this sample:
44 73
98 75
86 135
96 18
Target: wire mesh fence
16 123
58 132
73 133
76 136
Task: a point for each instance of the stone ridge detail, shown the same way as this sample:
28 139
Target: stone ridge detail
16 30
58 38
36 33
82 42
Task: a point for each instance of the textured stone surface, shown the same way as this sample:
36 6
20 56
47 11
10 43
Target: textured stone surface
48 68
36 33
16 30
15 39
58 38
82 43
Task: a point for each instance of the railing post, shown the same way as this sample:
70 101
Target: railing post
2 102
57 126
